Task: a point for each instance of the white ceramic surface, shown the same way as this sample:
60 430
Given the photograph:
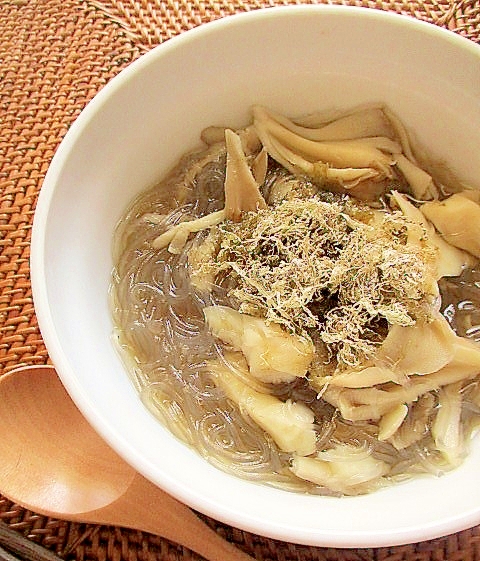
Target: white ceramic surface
296 60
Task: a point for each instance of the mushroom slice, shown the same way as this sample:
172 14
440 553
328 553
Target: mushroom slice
213 135
242 193
446 427
391 421
318 171
355 153
290 424
251 144
176 238
260 166
422 348
451 261
416 424
372 403
420 182
345 469
457 219
363 122
272 354
472 194
200 256
364 378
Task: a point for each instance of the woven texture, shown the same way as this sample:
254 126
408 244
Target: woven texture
149 22
55 55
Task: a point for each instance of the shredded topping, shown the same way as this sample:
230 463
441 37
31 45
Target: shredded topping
326 267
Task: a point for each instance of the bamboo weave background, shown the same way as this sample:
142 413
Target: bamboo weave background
55 55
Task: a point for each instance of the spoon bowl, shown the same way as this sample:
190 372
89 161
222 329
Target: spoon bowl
50 454
54 463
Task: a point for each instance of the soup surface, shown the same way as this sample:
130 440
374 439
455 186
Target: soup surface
299 301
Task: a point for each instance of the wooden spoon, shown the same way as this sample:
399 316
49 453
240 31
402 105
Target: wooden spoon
54 463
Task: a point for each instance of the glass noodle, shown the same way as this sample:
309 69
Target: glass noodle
170 351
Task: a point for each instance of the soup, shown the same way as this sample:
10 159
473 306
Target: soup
299 301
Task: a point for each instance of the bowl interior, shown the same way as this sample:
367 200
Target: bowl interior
295 60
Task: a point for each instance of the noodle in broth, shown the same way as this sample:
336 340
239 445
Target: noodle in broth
162 292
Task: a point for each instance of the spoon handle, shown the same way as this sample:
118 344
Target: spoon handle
147 508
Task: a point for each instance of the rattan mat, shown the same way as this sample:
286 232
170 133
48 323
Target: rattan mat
55 55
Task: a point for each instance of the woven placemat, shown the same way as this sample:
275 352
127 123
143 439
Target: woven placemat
55 55
150 22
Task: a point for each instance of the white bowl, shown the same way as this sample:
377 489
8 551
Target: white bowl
296 60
